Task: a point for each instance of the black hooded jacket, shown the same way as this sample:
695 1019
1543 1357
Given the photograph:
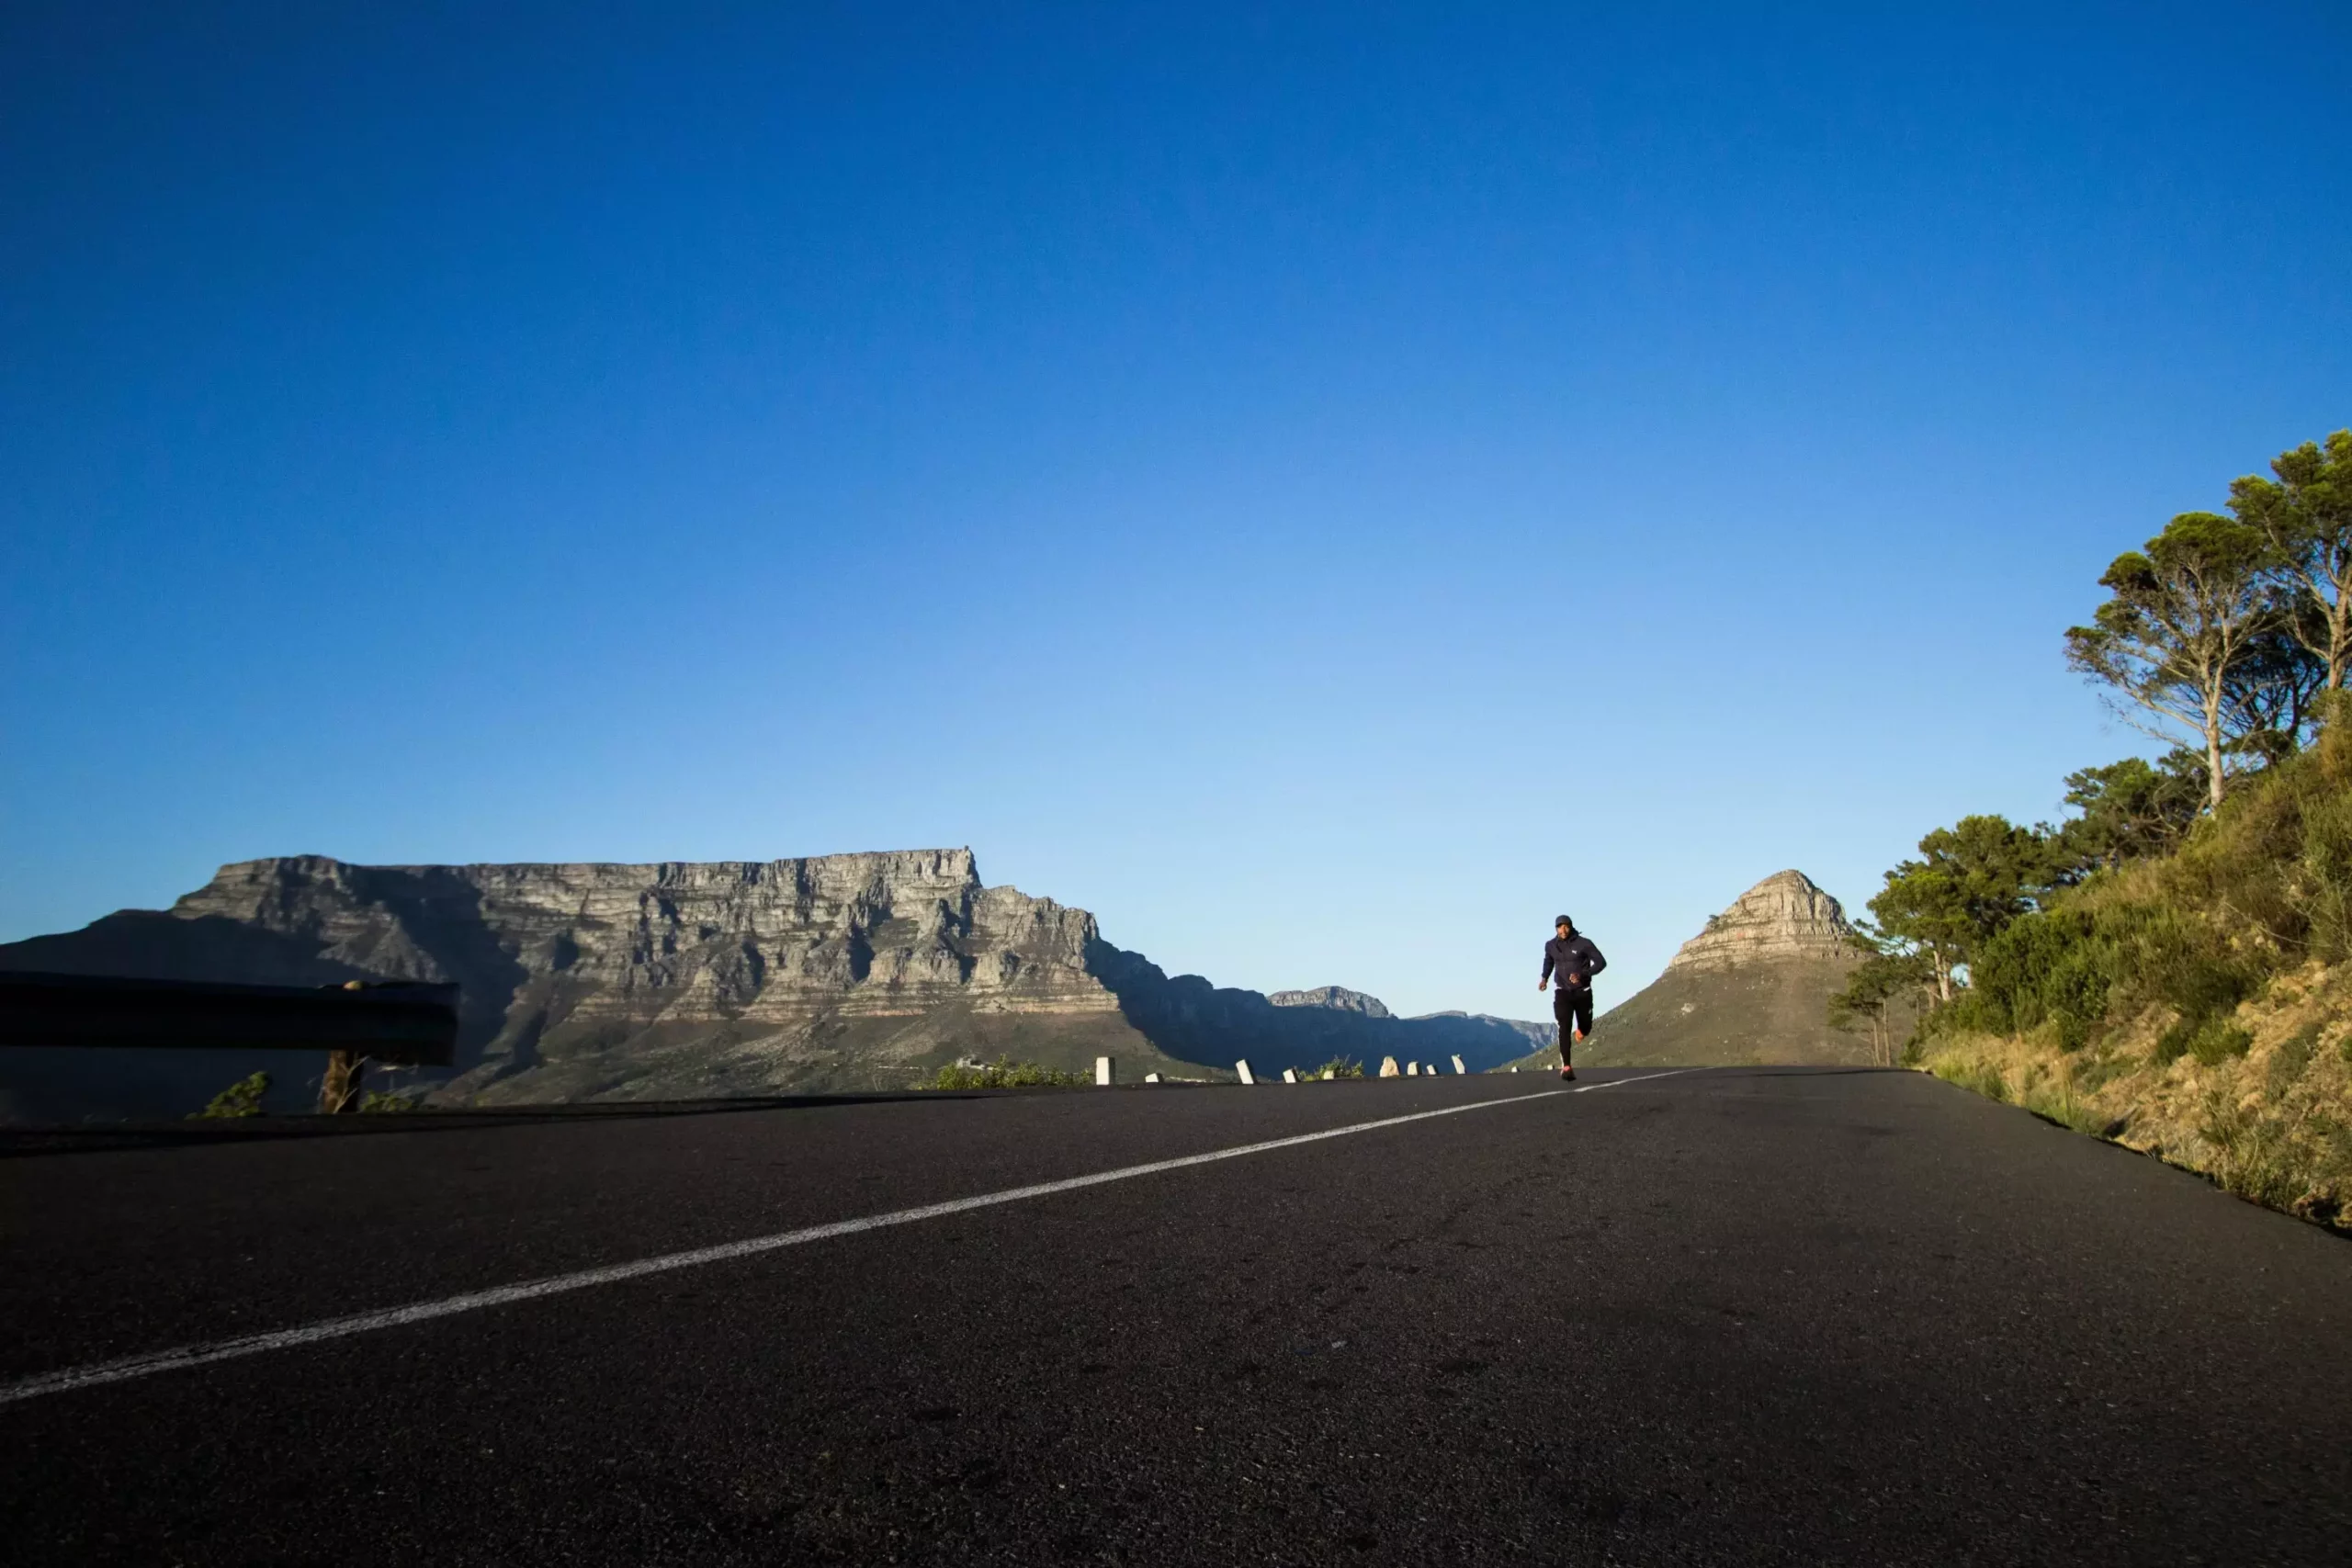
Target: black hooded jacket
1573 959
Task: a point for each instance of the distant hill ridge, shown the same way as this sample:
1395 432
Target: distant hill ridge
1337 996
690 979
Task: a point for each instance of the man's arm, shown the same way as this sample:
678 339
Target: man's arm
1546 978
1595 963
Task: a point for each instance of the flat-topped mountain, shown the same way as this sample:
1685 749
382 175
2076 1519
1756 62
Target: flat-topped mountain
680 980
1752 987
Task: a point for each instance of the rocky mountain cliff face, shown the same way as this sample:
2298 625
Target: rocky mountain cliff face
1752 988
1337 996
689 980
1782 916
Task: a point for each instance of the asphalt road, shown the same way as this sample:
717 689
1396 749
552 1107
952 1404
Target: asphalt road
1742 1316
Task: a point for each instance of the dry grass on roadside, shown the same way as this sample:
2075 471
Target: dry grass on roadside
2266 1112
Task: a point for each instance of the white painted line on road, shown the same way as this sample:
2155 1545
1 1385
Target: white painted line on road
204 1355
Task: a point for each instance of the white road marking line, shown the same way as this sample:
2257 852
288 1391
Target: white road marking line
204 1355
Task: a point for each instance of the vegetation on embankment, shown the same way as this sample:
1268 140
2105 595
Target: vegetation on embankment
2268 1118
2172 967
1002 1073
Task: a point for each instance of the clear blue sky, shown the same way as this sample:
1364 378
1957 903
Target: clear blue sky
1323 489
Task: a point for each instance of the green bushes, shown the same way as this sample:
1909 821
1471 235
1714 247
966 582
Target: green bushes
2255 1155
2210 1040
2080 967
2289 1061
1004 1073
2054 968
239 1099
1338 1067
1975 1075
2321 888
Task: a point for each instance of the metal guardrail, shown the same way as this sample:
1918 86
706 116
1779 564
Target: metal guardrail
405 1023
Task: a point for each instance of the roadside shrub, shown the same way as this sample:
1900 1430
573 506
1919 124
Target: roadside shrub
2217 1042
1004 1073
2256 1158
2099 1069
2054 968
242 1098
389 1102
2286 1062
2176 960
2054 1098
1339 1067
1976 1075
2322 886
2210 1040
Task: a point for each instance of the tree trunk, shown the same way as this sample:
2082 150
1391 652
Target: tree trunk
2213 754
339 1090
2339 628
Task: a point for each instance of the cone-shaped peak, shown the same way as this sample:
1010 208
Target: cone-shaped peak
1784 916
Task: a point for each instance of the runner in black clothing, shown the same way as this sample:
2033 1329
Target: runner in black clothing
1575 961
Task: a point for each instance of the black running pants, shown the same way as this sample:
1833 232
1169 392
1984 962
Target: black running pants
1573 1008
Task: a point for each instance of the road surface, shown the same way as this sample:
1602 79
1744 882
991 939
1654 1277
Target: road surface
1735 1316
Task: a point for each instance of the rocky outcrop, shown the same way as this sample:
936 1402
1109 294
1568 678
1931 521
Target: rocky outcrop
1752 988
1784 917
1338 997
683 980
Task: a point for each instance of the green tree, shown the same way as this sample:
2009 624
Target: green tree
2181 620
1970 880
2127 810
2305 514
1888 973
2270 699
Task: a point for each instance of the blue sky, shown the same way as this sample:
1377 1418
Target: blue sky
1324 489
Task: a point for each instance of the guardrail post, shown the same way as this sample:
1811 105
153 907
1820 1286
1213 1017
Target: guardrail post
1243 1068
1154 1077
1458 1066
1106 1072
1388 1066
1290 1074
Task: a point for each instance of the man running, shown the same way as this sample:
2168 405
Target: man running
1575 961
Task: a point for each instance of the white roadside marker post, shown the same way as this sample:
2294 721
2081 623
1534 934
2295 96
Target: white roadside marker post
1459 1067
1154 1077
1388 1068
1243 1068
1290 1074
1106 1072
